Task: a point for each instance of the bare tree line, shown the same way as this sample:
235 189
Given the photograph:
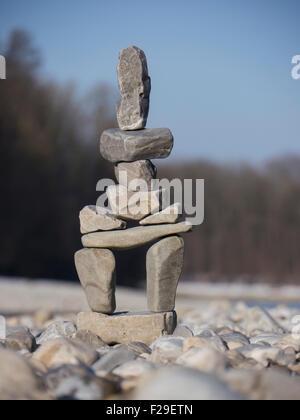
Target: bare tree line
50 165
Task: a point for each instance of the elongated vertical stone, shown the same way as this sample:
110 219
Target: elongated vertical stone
96 270
135 86
130 172
164 267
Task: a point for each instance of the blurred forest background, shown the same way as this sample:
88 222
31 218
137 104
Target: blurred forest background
50 165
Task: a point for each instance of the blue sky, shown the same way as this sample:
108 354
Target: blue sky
220 69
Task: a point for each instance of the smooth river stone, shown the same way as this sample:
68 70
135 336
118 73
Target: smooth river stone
170 214
133 237
133 205
135 86
96 270
128 146
94 218
125 328
164 268
128 172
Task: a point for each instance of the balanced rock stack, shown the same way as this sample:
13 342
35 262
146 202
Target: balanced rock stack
130 149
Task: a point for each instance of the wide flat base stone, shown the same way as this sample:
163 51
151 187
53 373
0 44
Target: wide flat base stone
128 327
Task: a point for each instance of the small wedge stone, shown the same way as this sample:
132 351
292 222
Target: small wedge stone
127 173
18 380
164 267
133 237
170 214
125 328
129 146
96 270
94 218
135 86
133 205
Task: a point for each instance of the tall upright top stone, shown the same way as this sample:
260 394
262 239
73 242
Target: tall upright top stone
135 86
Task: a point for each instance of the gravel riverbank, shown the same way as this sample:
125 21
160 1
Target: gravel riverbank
221 349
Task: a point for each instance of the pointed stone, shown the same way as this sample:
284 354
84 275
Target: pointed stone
170 214
96 270
133 237
133 205
135 86
164 267
94 218
128 146
144 327
127 173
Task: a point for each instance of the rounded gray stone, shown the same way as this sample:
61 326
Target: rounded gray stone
180 383
135 86
133 237
164 267
128 146
131 171
96 270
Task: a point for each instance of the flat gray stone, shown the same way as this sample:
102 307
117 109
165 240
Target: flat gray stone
135 86
183 331
133 237
128 146
94 218
96 270
170 214
133 205
134 369
125 328
164 267
262 354
127 173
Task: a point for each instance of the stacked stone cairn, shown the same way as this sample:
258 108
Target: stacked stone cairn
130 149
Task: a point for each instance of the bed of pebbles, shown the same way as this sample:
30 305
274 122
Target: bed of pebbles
219 351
